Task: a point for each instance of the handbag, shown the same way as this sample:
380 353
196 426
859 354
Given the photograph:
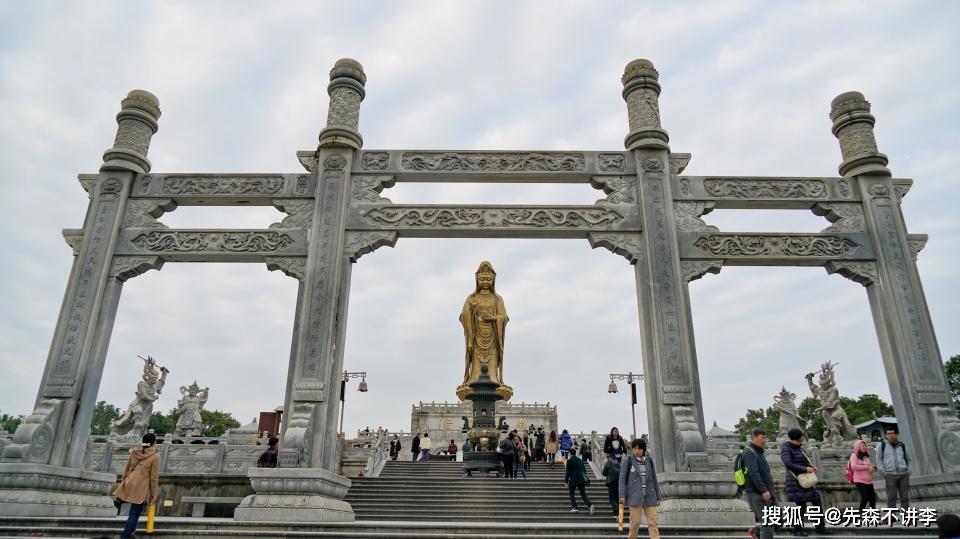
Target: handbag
807 479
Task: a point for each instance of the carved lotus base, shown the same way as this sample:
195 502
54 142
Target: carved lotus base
295 495
42 490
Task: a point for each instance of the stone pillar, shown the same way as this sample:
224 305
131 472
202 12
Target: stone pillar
315 492
39 471
911 357
674 405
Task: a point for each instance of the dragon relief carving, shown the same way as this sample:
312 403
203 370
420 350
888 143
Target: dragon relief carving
196 242
845 216
490 217
744 188
611 162
292 266
493 161
300 213
367 189
781 245
375 161
688 216
864 273
692 270
629 246
358 244
619 189
222 185
143 213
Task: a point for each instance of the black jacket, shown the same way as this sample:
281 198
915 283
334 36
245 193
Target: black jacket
608 445
415 445
759 479
576 473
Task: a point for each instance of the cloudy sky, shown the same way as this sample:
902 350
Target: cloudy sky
242 86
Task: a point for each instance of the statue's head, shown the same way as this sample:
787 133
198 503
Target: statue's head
194 389
785 394
486 277
150 373
826 375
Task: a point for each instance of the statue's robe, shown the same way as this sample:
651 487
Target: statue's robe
486 338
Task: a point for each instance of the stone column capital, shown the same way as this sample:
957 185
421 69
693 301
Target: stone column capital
641 91
346 90
136 125
853 127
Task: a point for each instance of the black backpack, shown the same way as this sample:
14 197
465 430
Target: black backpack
883 449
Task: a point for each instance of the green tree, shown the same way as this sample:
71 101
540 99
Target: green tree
810 418
768 420
952 368
103 415
9 422
864 408
216 422
162 423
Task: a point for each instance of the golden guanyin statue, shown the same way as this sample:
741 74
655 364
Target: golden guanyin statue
484 319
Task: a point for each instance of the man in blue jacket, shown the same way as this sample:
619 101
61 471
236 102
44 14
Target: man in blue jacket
759 485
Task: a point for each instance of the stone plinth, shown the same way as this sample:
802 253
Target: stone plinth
940 492
296 495
691 498
53 491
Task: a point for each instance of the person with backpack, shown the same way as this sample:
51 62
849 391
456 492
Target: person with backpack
540 444
796 463
860 473
566 444
452 450
268 459
508 451
639 490
611 472
575 478
894 464
520 464
758 482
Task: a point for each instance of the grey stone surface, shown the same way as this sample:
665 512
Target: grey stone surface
295 495
44 490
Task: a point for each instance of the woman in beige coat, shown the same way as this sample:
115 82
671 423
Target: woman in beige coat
138 486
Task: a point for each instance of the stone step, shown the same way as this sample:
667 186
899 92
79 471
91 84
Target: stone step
191 528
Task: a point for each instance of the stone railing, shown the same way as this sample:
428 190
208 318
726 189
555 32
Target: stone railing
378 456
198 458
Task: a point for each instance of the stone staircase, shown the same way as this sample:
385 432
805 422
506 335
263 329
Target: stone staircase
436 491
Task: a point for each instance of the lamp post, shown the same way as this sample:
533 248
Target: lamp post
631 379
343 391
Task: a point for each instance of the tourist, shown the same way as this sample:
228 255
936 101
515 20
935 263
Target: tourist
138 485
466 448
575 478
863 474
395 447
268 459
759 482
425 446
796 462
520 463
452 450
894 464
415 447
566 444
639 489
526 451
614 444
949 526
539 445
611 471
551 447
585 452
508 451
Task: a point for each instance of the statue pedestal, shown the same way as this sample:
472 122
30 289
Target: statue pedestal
41 490
295 495
940 492
695 498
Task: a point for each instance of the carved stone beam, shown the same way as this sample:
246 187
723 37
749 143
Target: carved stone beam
774 249
212 245
366 189
691 270
492 166
504 221
223 189
292 266
917 242
749 192
861 272
73 237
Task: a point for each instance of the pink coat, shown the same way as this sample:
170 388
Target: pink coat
862 468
